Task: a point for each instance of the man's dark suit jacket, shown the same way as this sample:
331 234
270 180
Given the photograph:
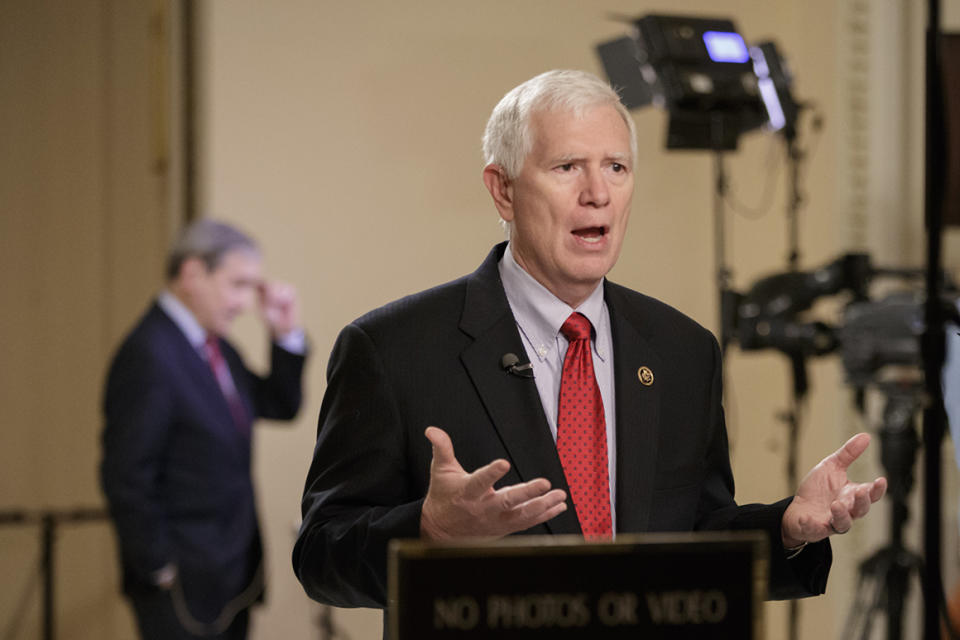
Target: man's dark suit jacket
176 470
434 359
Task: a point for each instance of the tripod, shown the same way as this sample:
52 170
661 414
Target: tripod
884 578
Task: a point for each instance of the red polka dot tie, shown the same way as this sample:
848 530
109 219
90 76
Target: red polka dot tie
582 432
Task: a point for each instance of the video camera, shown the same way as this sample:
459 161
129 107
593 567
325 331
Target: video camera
874 333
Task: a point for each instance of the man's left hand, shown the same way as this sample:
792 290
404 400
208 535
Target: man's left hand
827 502
280 308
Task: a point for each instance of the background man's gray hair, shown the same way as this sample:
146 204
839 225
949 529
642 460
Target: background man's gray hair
208 240
508 139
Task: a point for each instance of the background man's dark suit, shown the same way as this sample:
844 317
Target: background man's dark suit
176 469
434 359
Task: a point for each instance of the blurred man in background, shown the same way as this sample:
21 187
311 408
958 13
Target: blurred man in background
179 406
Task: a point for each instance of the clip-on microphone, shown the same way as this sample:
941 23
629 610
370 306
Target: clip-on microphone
510 361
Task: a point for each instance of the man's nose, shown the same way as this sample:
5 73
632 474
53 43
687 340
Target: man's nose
595 192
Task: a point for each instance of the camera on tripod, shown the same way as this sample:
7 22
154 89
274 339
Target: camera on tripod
880 345
875 333
881 333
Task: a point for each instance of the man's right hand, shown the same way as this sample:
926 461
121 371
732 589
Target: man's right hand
165 576
465 505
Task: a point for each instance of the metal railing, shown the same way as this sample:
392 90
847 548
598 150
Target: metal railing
49 521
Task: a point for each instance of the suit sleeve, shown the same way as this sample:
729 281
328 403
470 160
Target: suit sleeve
137 408
278 395
804 575
357 495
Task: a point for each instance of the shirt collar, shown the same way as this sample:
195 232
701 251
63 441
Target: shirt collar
183 318
540 314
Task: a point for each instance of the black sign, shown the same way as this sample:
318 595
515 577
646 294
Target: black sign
676 586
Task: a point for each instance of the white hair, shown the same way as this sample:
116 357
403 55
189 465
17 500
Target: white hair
508 138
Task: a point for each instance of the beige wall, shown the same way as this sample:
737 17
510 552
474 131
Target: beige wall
346 137
83 230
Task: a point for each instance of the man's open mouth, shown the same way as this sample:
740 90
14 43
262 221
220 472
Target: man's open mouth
591 234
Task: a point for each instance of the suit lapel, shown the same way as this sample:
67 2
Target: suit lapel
638 408
512 402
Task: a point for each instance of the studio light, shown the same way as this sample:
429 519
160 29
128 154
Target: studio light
713 85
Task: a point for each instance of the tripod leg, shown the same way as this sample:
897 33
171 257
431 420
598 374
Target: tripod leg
897 587
871 595
876 598
865 600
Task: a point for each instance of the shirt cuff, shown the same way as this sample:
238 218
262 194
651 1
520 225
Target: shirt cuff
294 342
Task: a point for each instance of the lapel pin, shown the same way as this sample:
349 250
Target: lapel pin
645 375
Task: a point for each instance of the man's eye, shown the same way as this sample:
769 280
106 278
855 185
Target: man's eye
568 166
617 167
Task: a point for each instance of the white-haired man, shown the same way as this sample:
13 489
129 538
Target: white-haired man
620 428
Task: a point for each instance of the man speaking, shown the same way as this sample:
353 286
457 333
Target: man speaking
433 427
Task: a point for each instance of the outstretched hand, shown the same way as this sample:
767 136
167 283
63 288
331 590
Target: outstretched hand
827 502
466 505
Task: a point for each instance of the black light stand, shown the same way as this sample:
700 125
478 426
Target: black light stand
722 273
723 276
797 360
324 623
791 417
933 346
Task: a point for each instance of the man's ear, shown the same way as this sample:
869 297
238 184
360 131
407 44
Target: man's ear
192 271
501 188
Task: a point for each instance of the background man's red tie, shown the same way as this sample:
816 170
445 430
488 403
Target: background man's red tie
582 432
221 372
